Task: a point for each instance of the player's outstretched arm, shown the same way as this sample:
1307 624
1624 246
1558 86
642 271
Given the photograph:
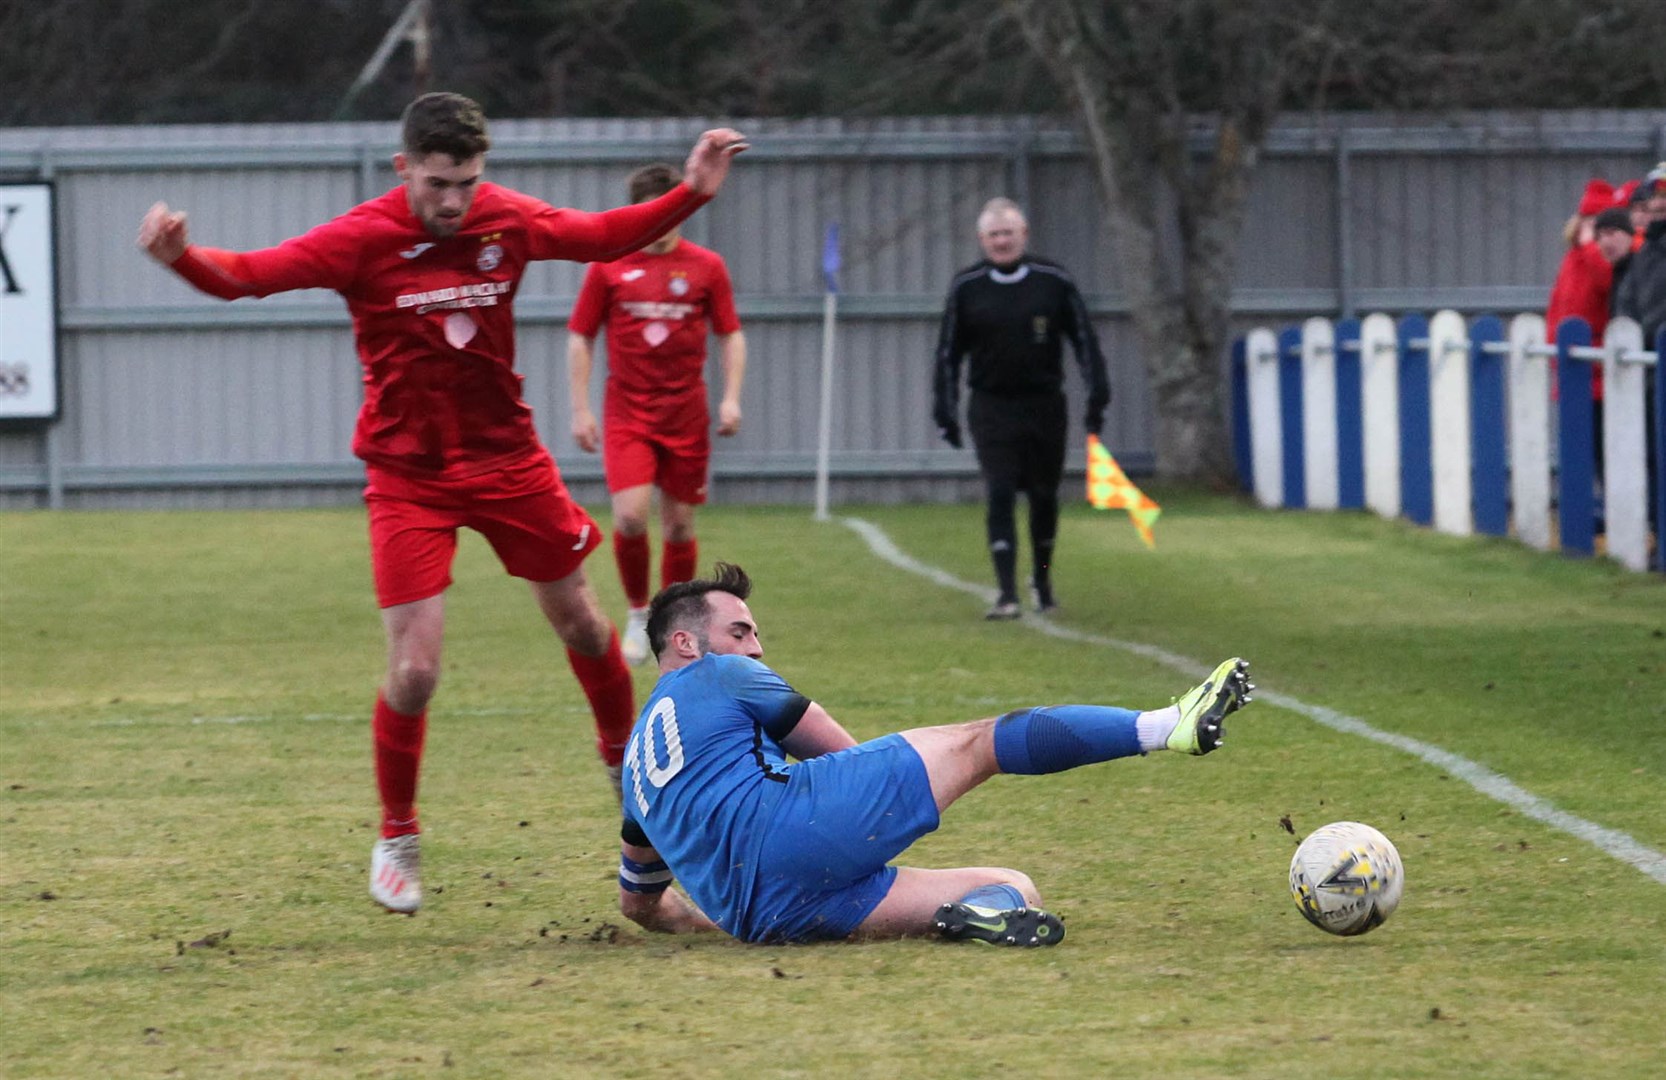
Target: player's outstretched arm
708 162
647 899
317 260
163 234
664 913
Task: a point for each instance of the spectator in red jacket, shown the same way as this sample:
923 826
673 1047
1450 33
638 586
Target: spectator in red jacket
1586 277
1585 283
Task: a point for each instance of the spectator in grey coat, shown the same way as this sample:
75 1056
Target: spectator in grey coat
1642 292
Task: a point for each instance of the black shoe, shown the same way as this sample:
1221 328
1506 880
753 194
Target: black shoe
1044 601
1025 927
1005 608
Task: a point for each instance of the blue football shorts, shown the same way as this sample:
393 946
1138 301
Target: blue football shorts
843 817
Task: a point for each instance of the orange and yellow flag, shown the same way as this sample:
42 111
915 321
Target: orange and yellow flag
1110 489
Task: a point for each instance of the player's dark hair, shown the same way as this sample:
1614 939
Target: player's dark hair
442 123
652 181
683 606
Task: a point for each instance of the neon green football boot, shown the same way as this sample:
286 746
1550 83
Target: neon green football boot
1205 706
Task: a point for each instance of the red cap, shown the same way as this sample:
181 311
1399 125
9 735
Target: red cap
1599 196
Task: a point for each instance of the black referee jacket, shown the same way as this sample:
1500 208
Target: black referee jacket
1010 326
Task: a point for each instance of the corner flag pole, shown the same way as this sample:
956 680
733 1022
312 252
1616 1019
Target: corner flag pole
830 308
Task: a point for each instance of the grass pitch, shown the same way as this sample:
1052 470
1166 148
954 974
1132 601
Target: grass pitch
186 812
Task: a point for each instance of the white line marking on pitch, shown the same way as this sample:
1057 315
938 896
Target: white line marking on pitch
1491 784
267 718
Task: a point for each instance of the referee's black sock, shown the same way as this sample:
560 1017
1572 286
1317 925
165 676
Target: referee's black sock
1006 569
1042 578
1002 531
1044 531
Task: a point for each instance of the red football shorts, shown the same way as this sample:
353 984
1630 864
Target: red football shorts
523 511
677 462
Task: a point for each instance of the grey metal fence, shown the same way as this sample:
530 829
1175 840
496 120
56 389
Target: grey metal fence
174 399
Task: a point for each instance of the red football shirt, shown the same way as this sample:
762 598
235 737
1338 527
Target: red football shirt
433 317
656 309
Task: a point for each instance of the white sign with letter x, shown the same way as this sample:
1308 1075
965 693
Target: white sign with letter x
28 304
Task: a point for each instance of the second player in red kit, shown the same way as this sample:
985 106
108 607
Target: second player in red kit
656 306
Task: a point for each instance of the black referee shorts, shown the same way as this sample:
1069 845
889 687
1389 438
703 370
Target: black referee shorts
1019 440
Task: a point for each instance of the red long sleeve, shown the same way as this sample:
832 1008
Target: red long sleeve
324 257
216 272
603 237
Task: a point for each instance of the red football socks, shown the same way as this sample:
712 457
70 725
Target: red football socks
398 740
631 553
677 563
607 684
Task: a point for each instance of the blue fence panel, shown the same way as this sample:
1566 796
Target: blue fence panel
1576 475
1350 425
1417 482
1489 456
1242 458
1290 416
1489 418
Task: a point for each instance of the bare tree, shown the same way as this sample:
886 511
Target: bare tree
1175 98
159 61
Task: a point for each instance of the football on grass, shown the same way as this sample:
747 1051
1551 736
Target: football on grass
1346 878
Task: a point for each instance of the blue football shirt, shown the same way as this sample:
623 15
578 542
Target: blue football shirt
704 768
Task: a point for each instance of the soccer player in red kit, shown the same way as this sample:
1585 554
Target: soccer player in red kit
656 305
429 272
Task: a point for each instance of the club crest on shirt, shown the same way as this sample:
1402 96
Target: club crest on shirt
490 256
679 284
1038 327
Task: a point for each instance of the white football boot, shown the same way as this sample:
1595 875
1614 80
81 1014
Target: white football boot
395 873
635 639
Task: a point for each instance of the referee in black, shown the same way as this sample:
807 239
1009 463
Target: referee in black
1009 316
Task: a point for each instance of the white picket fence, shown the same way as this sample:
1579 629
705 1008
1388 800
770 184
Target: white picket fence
1452 425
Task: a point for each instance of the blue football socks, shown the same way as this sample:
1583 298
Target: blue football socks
1053 738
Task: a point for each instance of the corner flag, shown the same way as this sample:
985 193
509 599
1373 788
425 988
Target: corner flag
830 258
1110 489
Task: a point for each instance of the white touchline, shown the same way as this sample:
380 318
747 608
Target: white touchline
267 718
1493 785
